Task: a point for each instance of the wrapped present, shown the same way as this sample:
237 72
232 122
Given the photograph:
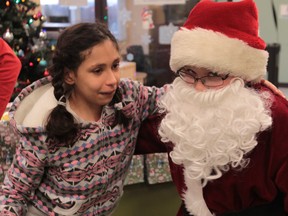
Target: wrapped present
136 170
157 168
8 141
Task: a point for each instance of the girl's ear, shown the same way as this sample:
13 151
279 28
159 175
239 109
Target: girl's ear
69 76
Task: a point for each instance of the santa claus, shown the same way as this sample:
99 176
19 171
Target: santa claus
229 149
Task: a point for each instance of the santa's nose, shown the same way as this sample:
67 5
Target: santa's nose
199 86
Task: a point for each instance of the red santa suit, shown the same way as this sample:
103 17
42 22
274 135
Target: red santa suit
10 67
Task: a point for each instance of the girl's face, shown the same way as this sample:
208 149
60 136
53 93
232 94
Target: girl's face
96 79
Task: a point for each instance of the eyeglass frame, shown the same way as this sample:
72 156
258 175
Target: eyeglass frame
196 79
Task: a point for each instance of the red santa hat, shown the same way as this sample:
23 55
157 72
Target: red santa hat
222 37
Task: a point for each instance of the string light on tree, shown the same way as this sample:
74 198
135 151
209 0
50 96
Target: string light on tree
43 62
20 53
46 72
43 35
8 36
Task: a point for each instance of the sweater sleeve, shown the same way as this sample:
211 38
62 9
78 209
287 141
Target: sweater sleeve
10 66
139 100
148 100
23 176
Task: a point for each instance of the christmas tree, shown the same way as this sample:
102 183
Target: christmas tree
21 27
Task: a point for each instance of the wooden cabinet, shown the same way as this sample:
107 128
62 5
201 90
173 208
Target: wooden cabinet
128 70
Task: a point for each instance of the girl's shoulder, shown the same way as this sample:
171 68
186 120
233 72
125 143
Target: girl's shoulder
130 87
126 83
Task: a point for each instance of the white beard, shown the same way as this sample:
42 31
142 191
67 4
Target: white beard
213 130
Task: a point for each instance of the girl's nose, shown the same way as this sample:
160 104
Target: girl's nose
112 77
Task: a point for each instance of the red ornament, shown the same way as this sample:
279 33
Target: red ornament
39 14
46 73
35 17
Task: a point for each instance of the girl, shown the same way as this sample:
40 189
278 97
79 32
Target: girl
77 162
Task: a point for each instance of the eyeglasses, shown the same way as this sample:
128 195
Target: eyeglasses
210 80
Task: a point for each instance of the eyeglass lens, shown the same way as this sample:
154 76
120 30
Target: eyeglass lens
209 81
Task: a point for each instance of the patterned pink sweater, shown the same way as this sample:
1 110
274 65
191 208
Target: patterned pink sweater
84 179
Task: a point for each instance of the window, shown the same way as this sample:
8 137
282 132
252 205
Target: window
115 18
66 11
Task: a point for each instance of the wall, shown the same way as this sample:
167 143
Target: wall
270 34
283 40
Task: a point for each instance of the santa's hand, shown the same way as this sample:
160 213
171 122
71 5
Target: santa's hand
273 88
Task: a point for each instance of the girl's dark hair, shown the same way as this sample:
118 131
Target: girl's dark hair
68 55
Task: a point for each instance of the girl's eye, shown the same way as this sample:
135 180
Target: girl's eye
97 70
116 66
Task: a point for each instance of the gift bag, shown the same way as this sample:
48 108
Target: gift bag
136 170
157 168
8 141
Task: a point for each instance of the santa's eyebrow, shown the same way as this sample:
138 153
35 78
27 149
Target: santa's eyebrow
213 73
190 70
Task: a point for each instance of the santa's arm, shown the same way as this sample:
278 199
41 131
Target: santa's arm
279 150
282 182
148 140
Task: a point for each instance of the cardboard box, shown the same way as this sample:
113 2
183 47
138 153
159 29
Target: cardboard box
128 70
8 141
141 77
136 170
157 168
